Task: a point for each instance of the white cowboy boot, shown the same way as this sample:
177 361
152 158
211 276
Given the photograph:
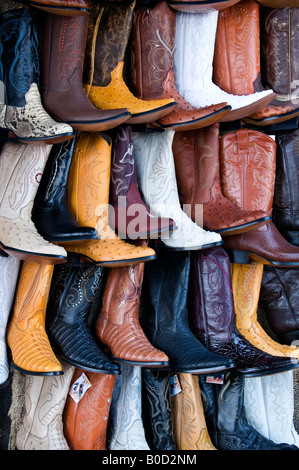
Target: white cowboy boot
9 270
42 425
158 185
193 67
127 432
269 405
21 168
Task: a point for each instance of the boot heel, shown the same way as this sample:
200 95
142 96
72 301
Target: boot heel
238 256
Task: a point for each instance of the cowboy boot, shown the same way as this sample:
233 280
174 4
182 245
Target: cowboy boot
166 323
63 43
246 284
125 420
269 407
42 426
196 157
85 417
158 187
190 430
279 3
226 417
285 204
194 55
152 74
197 6
117 325
9 269
72 294
50 213
237 61
27 338
62 7
108 88
88 196
213 318
156 409
21 167
247 160
124 195
21 110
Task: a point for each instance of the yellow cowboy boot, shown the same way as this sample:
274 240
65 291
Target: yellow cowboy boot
246 284
190 430
26 336
104 83
88 192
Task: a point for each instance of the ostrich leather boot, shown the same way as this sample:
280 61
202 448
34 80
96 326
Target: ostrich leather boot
62 7
85 418
196 157
250 157
237 60
152 74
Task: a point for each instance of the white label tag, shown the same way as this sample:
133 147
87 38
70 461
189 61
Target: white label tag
79 388
175 386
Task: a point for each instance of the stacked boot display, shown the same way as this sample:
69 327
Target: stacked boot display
149 224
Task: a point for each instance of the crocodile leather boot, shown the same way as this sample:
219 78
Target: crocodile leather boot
152 74
156 409
236 63
85 417
108 88
196 157
21 110
27 338
9 270
124 195
62 7
50 212
42 426
226 417
166 323
63 44
158 186
247 161
21 167
71 297
197 6
190 430
194 55
213 318
88 196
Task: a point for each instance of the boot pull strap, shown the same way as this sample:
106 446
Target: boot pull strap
242 140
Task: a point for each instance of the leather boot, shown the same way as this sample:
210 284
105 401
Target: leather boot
88 193
269 407
152 74
108 88
190 430
117 325
50 213
9 268
250 156
246 284
166 323
62 7
158 187
69 307
125 420
85 418
213 318
125 197
21 110
42 426
279 51
197 6
226 417
194 55
279 3
156 409
196 157
279 300
26 334
237 61
21 167
285 204
63 44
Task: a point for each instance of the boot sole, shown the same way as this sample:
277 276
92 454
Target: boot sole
151 115
39 258
91 369
135 236
193 248
199 6
247 110
99 126
77 259
151 365
29 372
208 370
268 121
243 257
243 228
64 11
7 135
261 373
